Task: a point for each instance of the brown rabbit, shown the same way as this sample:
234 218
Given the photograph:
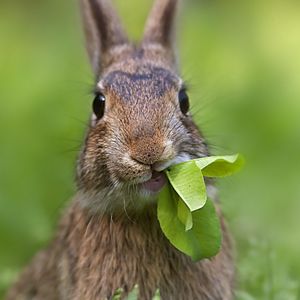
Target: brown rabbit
109 238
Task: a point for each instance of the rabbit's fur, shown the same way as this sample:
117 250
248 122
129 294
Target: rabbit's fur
109 238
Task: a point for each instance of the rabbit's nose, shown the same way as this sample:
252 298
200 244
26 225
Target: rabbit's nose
146 151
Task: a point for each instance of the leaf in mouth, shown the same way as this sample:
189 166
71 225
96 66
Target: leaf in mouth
187 218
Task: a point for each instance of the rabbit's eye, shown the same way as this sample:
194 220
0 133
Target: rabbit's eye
99 105
184 101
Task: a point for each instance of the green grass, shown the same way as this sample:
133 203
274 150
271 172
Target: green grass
242 62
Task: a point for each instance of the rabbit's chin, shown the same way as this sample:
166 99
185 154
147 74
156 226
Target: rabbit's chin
127 198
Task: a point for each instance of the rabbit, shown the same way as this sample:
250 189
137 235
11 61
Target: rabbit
109 236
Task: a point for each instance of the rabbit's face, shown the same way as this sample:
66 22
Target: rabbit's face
140 126
141 123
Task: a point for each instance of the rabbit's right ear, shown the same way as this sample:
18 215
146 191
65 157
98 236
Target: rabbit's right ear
103 31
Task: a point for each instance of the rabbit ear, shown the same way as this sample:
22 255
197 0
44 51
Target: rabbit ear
103 30
160 24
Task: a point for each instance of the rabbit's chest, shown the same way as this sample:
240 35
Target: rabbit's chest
106 255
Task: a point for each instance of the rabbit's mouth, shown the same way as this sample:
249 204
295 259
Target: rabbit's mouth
159 179
155 183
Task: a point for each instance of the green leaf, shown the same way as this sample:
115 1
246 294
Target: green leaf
133 295
187 180
157 295
186 218
203 240
118 293
220 166
183 213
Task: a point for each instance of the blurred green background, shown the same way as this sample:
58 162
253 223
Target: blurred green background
242 62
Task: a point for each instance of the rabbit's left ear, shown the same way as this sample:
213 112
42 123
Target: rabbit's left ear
160 26
103 31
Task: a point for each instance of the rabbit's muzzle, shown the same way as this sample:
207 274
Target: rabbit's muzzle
150 150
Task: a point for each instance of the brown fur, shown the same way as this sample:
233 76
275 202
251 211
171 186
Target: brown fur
110 237
95 255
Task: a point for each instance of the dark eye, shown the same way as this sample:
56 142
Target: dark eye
99 105
184 101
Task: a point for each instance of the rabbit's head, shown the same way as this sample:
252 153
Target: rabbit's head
140 121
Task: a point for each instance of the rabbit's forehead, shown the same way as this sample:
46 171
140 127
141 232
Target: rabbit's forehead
143 82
